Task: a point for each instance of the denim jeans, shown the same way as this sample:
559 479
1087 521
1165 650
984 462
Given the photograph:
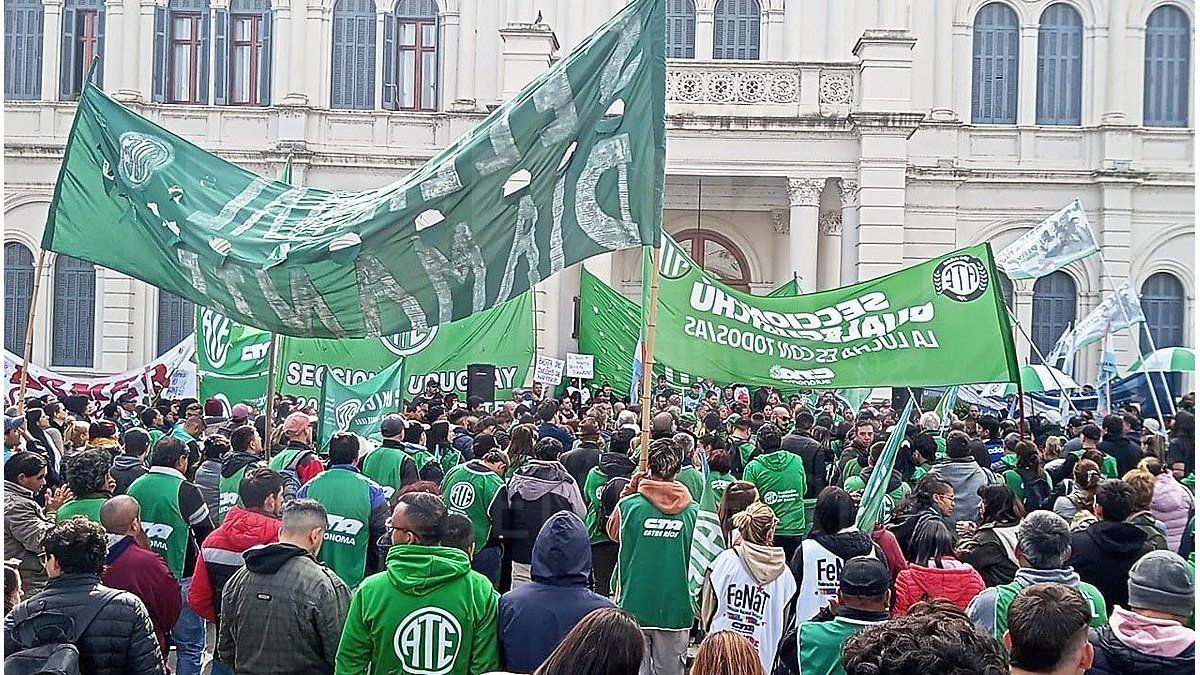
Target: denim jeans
189 637
221 668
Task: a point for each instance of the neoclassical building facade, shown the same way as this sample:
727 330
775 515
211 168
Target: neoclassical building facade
833 140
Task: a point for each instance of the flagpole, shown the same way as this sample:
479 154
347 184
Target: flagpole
269 407
1044 363
1137 345
648 353
37 283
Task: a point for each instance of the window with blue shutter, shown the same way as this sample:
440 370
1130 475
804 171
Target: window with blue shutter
1060 66
681 29
1054 299
410 52
18 290
994 62
74 323
353 86
82 41
242 54
736 27
176 320
1164 304
23 21
181 35
1167 68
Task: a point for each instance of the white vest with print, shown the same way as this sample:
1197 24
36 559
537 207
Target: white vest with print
821 575
748 608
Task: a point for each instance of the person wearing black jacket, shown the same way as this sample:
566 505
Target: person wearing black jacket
1116 444
815 456
581 460
113 634
1104 553
615 469
131 465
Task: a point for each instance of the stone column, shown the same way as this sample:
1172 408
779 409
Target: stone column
115 37
804 196
793 29
141 57
782 229
943 45
1027 76
1116 242
1113 81
51 48
848 190
465 96
285 78
704 31
379 57
773 28
829 250
450 37
528 51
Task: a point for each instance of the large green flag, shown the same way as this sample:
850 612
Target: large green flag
786 290
571 167
707 540
231 390
940 322
232 356
359 408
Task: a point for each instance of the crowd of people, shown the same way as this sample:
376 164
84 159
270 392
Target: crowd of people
538 535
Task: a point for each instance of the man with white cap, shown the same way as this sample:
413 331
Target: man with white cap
297 461
1150 636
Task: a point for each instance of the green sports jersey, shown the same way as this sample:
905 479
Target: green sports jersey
652 564
781 482
346 496
469 489
385 465
157 492
90 508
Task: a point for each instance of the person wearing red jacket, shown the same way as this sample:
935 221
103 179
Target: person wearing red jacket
935 573
132 566
254 524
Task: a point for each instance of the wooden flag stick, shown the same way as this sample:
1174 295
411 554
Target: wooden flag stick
37 283
269 407
648 356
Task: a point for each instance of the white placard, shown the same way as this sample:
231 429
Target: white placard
548 370
581 366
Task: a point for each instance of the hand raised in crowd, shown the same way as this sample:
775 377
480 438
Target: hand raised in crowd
57 497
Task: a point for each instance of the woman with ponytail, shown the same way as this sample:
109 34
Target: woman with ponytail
750 579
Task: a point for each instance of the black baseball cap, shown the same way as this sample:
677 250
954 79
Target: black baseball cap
391 425
865 577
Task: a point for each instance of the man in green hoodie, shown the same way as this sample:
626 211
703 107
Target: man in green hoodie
653 523
781 481
427 612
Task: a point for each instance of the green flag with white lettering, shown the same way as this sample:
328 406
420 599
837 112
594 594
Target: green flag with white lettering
569 168
359 408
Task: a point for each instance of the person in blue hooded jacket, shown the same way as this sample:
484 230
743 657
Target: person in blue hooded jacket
535 617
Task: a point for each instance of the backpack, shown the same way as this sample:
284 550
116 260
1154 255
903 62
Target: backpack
47 639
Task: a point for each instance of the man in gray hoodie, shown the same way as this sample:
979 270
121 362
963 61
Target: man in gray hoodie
964 473
1043 545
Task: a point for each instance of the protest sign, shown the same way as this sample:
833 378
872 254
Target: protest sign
550 178
936 323
42 381
360 407
580 366
548 370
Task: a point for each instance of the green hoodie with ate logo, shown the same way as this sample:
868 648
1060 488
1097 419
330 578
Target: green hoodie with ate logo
780 479
428 612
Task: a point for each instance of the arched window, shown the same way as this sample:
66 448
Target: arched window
1164 305
995 49
410 56
717 254
736 27
74 328
353 55
1168 63
18 289
242 55
82 41
23 50
181 36
176 320
1060 66
1006 289
1054 298
681 29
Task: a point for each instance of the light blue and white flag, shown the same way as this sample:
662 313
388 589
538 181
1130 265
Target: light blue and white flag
1054 243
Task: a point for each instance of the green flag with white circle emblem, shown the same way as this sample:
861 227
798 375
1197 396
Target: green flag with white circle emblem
359 408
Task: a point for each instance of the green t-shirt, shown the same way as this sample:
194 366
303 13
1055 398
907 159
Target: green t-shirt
652 564
89 507
469 490
781 482
346 496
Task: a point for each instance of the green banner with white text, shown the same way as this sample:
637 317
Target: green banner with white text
359 408
936 323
